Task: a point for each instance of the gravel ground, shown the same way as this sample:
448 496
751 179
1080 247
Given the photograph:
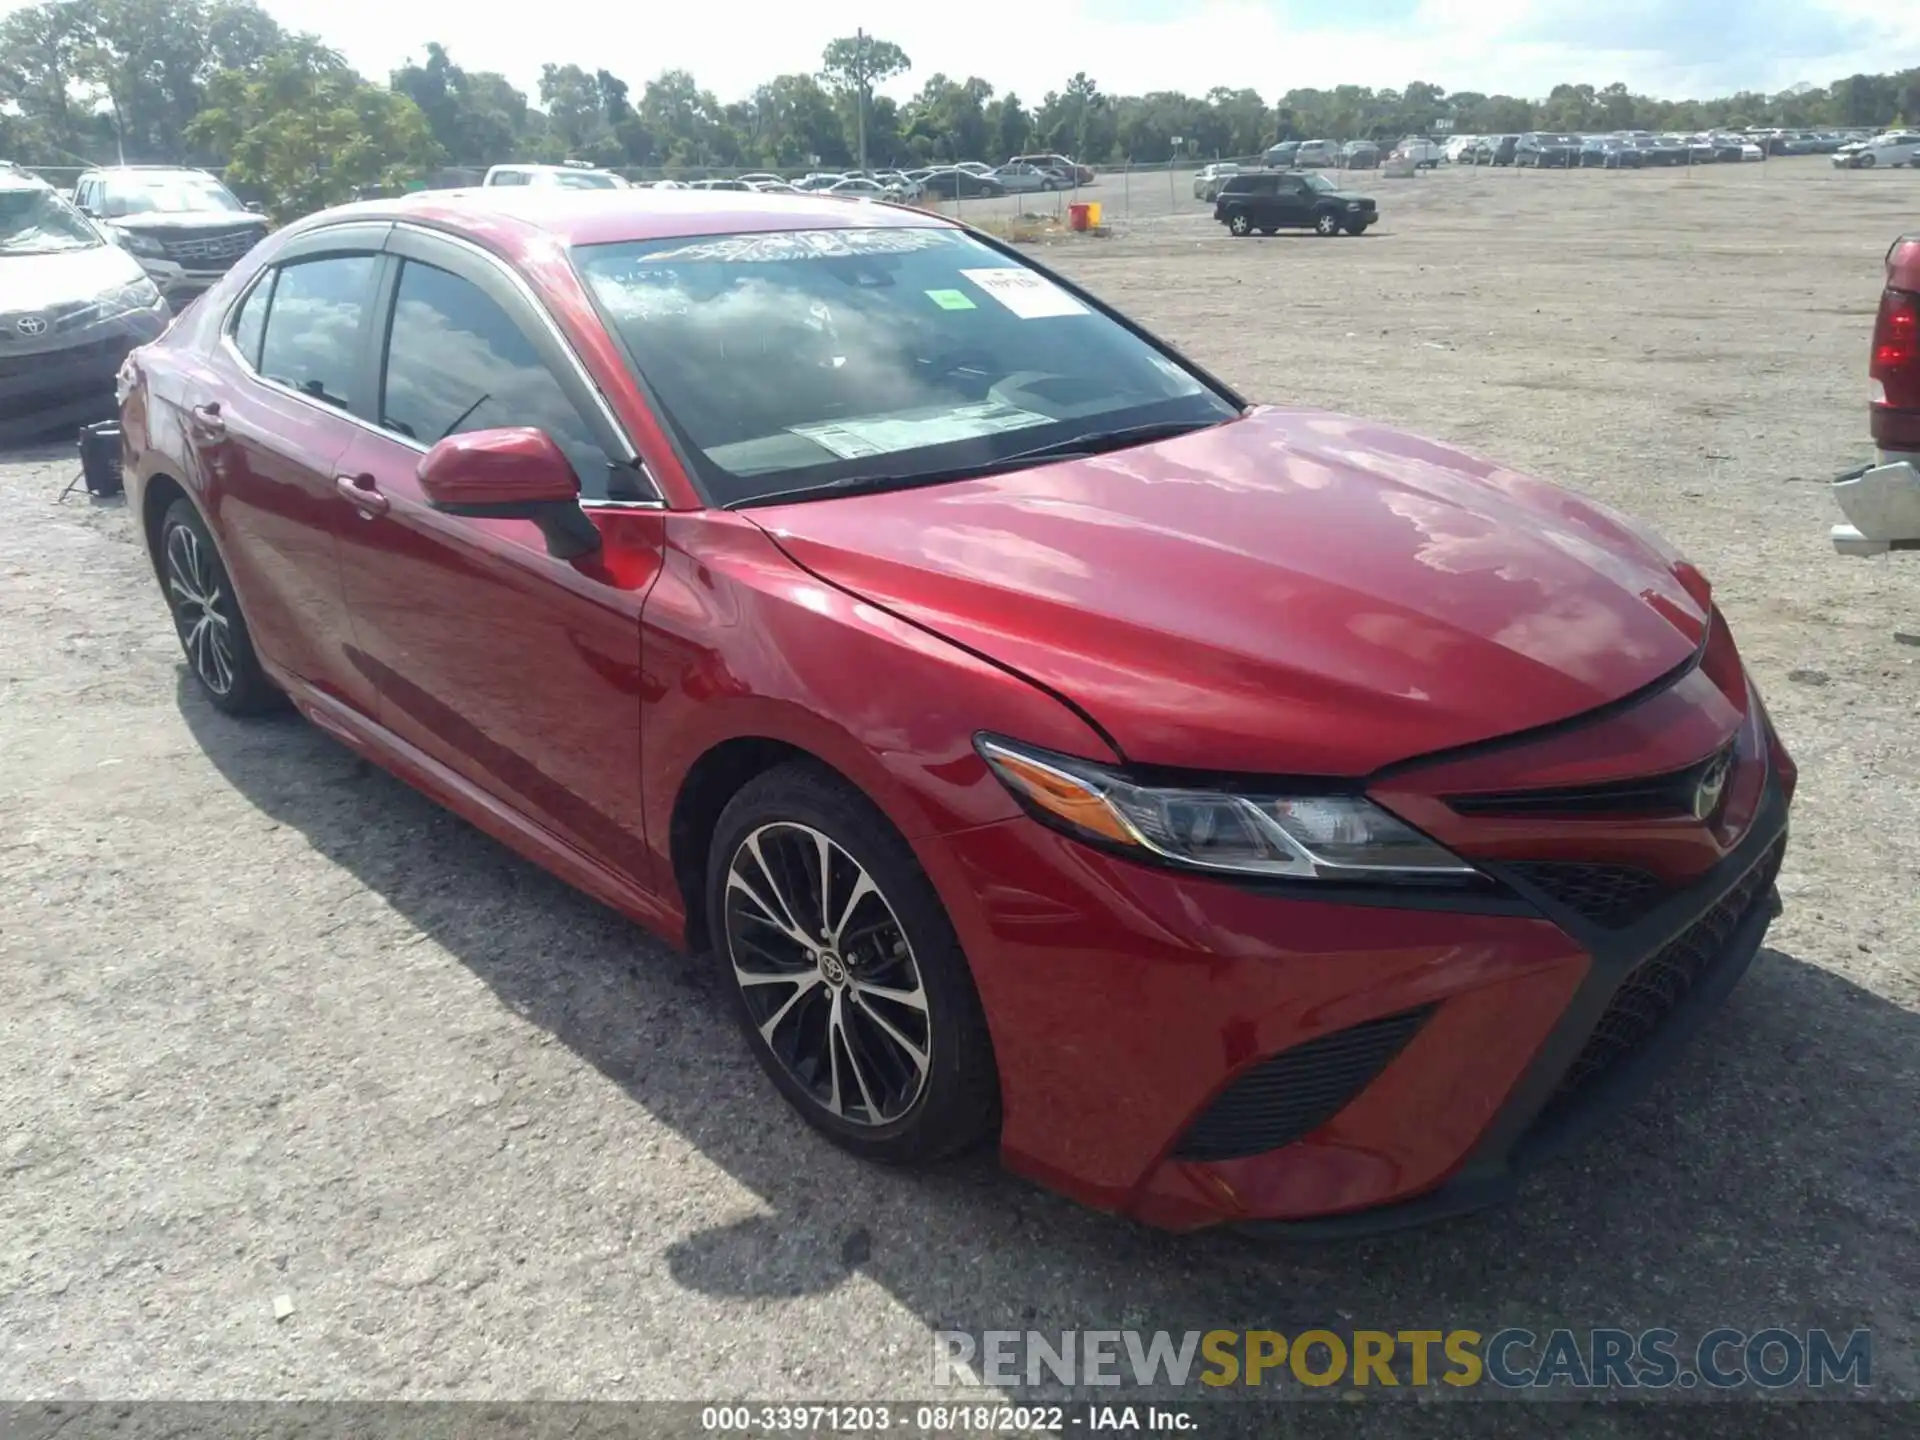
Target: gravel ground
275 1026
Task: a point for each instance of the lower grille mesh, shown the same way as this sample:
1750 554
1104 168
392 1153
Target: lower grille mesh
1608 895
1653 987
1297 1091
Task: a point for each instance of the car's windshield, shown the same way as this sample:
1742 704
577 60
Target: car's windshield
1318 182
164 193
39 222
793 360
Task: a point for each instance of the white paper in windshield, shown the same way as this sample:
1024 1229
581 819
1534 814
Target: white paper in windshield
888 435
1029 295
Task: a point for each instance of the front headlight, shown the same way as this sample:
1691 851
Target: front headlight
1298 837
141 294
139 244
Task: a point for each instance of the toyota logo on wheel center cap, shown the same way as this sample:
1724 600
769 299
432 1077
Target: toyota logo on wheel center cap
30 325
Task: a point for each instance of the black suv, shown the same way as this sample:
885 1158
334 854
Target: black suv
170 212
1291 200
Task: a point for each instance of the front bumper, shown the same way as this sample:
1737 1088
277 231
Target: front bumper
50 380
1882 506
1128 1004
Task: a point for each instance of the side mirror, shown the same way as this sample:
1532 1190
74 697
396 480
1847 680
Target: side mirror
511 474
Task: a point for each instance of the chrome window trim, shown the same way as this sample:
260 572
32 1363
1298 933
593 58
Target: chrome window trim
232 315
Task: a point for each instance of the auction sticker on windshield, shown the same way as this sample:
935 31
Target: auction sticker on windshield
887 435
1030 296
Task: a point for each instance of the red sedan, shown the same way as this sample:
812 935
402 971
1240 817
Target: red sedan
1245 814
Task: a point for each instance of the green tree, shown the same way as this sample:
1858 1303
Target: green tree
304 131
852 66
477 117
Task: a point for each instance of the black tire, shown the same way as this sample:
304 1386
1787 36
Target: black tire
206 615
1864 162
1326 223
1239 224
897 937
1359 227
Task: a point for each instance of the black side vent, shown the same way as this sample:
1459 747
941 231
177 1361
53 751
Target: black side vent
1607 895
1297 1091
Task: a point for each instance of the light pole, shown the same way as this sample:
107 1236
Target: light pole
860 74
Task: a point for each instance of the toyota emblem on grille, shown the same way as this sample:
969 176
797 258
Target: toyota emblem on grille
1713 784
30 325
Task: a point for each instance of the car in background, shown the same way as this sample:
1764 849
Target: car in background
73 303
1881 500
718 183
772 187
762 177
1206 185
821 180
1281 156
1458 147
1317 154
1019 178
1075 173
1424 153
1359 155
1268 201
192 219
900 185
859 187
1659 151
1889 151
923 649
955 183
1610 152
1494 150
567 177
1544 150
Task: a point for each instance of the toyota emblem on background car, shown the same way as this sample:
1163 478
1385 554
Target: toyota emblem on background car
30 325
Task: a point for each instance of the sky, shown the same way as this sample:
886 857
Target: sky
1671 48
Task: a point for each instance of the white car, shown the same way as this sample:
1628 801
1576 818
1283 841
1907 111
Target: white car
860 187
1895 148
567 177
73 303
1456 147
1206 185
1424 153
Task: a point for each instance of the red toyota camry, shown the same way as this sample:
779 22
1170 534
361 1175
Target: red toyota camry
1245 814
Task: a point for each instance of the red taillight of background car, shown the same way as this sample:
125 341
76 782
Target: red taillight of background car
1895 370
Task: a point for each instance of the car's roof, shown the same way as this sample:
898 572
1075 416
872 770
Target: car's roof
514 218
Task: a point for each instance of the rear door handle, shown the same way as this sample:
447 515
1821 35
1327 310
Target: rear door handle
207 424
363 493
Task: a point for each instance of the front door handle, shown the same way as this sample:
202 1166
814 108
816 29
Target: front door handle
207 425
363 493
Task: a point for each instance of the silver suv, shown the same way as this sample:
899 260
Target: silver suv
173 213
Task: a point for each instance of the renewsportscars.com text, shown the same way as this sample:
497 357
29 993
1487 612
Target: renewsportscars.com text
1600 1358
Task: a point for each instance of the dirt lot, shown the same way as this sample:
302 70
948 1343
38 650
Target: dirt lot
273 1025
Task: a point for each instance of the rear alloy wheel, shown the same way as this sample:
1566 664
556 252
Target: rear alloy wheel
1326 223
849 981
213 633
1239 224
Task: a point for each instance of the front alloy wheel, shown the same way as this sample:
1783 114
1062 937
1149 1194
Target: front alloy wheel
845 971
827 974
1240 224
1326 223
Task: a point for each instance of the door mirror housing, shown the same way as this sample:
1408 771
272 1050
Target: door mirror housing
511 474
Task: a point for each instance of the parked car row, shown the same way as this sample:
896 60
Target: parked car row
1621 150
1323 155
1890 150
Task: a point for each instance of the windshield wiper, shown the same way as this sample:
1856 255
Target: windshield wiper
1094 442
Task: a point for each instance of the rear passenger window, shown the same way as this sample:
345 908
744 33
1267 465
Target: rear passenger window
312 340
457 362
251 323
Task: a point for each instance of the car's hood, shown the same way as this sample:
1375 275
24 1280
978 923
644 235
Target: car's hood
1293 592
38 284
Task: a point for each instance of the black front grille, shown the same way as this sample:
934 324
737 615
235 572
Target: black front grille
1291 1095
1607 895
1653 987
1675 792
57 365
212 250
